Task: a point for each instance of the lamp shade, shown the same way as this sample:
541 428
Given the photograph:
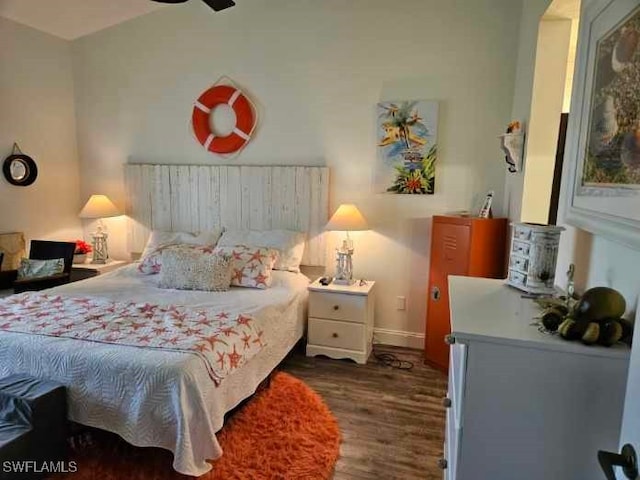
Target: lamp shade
99 206
347 218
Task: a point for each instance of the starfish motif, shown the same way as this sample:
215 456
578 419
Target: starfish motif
258 339
172 341
242 320
144 339
220 359
213 339
234 358
246 339
228 331
43 324
236 255
238 275
257 256
260 279
222 315
201 347
159 331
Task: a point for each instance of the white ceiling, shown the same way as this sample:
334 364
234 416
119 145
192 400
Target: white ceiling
70 19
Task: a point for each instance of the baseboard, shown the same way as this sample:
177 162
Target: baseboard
398 338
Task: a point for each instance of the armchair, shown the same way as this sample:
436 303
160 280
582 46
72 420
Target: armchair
47 250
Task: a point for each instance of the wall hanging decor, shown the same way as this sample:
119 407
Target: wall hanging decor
407 147
512 144
224 92
603 138
19 169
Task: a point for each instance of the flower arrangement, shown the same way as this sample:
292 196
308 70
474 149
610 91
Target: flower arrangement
82 247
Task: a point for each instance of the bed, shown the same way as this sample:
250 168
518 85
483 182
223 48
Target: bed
163 398
157 397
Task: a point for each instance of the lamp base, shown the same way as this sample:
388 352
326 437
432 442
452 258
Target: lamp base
343 281
100 248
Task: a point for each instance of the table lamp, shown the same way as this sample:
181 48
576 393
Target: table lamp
347 218
99 206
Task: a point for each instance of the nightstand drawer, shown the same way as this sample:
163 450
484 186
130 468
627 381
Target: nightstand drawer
338 306
329 333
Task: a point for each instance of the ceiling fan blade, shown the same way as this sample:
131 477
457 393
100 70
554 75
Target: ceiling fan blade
218 5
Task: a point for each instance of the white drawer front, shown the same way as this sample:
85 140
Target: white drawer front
337 306
521 248
521 233
519 263
329 333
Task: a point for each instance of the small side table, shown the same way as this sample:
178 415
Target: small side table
341 320
82 271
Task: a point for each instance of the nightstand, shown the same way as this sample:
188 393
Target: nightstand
341 320
82 271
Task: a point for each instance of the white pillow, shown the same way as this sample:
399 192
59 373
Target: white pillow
160 238
290 244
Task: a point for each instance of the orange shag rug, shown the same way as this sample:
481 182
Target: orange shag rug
284 432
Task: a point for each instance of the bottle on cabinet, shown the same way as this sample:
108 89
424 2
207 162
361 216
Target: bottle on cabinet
468 246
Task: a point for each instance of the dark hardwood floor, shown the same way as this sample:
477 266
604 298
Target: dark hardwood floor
392 421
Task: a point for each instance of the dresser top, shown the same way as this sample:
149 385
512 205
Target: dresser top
355 289
488 310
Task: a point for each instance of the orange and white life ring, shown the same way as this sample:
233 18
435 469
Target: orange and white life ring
245 119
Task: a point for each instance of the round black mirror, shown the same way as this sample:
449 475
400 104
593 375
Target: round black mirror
20 170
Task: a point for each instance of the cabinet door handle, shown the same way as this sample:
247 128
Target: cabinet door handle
449 339
446 402
336 307
442 463
626 459
334 335
435 294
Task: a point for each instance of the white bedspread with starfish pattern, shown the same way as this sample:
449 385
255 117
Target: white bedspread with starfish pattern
223 339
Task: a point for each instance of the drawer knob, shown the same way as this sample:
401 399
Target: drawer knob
449 339
336 307
446 402
442 463
334 335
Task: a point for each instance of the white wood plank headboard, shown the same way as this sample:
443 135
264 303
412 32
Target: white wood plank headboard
194 198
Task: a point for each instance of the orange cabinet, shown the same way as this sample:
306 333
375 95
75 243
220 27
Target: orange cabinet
473 247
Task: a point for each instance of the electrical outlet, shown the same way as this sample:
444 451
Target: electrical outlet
401 303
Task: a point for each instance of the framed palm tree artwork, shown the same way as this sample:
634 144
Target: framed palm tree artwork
407 147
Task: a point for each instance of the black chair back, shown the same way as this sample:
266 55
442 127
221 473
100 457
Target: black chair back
48 250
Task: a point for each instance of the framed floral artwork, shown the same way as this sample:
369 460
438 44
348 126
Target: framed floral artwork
407 147
603 141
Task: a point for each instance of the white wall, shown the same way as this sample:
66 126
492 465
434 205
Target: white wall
532 11
546 108
36 95
316 69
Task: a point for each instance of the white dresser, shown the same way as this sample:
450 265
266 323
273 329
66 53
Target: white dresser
522 404
341 320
